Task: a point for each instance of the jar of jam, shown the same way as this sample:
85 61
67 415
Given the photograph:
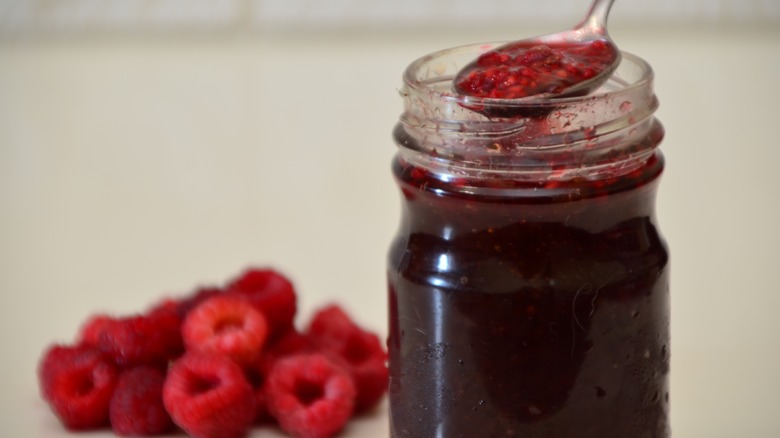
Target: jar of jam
528 281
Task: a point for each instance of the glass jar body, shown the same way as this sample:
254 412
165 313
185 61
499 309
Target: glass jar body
519 316
528 307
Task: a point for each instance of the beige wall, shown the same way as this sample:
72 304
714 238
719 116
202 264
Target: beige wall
30 16
134 167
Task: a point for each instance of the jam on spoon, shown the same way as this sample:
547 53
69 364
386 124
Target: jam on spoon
569 63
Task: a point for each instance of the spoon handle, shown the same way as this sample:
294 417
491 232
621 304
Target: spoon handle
596 18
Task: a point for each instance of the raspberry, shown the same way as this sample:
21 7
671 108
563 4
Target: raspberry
151 339
116 374
256 375
77 382
366 361
310 396
228 326
290 343
136 407
208 396
287 344
271 293
91 330
330 326
360 352
202 294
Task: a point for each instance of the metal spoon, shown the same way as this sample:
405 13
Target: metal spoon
587 46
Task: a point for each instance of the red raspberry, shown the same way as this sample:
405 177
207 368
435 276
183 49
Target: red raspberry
227 326
271 293
310 396
256 375
77 382
182 305
136 407
151 339
91 330
208 396
166 305
202 294
290 343
360 352
330 326
366 361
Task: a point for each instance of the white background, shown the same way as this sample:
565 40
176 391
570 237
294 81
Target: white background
135 165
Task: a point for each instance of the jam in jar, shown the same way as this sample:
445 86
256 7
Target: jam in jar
528 280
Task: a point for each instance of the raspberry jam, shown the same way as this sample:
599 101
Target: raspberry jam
520 70
528 281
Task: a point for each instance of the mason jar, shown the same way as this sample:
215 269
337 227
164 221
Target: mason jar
529 280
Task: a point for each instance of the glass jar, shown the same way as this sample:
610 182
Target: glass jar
528 281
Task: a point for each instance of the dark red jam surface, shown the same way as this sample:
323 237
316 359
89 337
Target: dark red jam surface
518 70
532 310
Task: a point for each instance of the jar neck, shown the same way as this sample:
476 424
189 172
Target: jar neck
600 136
432 204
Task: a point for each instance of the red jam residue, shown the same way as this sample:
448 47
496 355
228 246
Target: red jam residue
518 70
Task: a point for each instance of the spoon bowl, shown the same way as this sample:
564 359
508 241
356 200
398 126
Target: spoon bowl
570 63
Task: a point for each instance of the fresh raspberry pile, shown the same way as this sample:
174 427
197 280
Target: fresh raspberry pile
215 363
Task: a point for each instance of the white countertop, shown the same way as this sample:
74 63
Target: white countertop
134 168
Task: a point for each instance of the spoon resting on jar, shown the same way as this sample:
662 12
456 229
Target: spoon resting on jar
574 62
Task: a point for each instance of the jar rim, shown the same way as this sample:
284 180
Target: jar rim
472 51
607 132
